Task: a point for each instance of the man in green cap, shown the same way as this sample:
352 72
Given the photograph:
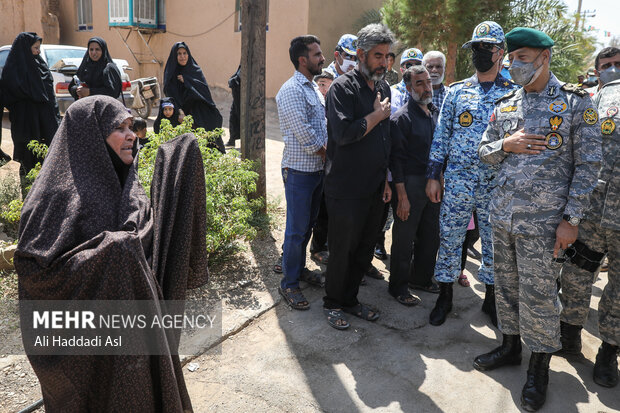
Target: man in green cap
545 140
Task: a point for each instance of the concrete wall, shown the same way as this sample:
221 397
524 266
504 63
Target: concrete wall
18 16
218 52
329 19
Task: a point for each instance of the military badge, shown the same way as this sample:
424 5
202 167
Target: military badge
555 122
506 126
508 109
482 29
468 83
608 127
466 119
492 117
506 84
611 112
558 106
506 135
551 91
553 140
590 116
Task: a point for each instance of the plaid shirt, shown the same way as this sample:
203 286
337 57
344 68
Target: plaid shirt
302 123
438 96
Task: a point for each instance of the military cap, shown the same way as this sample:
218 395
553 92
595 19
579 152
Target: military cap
486 32
348 44
411 54
527 37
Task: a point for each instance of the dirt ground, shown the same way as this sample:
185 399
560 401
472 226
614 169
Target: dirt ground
274 359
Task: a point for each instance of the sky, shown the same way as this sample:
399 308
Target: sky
606 19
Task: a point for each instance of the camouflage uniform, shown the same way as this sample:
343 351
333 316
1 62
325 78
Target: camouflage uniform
531 194
463 118
600 231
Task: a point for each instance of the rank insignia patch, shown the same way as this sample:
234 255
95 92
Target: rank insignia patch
468 84
466 119
555 122
492 117
590 116
611 112
508 109
507 125
553 140
551 91
558 106
608 127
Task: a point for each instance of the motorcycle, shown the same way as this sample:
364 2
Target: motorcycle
146 94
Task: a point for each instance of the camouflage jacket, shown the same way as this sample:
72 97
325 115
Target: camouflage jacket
532 192
606 197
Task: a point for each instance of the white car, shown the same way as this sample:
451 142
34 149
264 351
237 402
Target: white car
63 62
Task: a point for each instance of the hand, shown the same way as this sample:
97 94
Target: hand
521 142
565 235
82 91
402 211
322 152
383 107
434 191
181 115
387 192
180 77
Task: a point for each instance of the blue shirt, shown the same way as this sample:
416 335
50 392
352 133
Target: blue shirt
438 96
401 98
302 123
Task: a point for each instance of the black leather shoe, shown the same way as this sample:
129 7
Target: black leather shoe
570 336
380 252
488 306
443 306
508 354
606 366
534 391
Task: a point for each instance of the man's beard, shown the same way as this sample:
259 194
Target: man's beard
371 75
437 80
428 98
316 70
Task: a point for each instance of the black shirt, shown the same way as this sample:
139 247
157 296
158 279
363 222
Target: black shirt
412 134
356 165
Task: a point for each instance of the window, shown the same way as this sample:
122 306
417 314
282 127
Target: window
84 12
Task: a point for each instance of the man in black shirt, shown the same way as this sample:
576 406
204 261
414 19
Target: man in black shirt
358 146
416 220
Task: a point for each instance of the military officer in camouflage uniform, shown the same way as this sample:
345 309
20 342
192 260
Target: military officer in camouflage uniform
599 234
545 138
463 118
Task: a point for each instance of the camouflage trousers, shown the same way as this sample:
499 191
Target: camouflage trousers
577 284
526 289
462 196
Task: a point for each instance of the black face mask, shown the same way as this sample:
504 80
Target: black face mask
482 59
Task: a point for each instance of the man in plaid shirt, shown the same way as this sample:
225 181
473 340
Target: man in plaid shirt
302 123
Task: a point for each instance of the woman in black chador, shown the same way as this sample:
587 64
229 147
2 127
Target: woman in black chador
28 94
97 74
185 82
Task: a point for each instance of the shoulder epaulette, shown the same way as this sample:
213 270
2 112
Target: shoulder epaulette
507 95
570 87
455 83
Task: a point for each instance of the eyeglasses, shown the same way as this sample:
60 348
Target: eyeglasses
410 63
485 46
347 56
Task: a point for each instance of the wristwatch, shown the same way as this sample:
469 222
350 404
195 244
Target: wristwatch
574 221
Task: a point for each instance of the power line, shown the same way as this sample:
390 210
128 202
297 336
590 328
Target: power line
205 32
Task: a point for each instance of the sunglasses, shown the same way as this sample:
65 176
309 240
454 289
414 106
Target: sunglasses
484 46
409 64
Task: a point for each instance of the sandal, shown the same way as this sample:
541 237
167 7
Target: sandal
432 288
336 319
408 300
373 272
362 311
321 257
463 281
312 278
294 298
277 267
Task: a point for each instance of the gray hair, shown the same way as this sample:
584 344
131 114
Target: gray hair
413 70
373 35
434 54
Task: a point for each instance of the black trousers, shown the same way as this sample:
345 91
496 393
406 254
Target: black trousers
415 241
353 226
234 121
471 237
320 229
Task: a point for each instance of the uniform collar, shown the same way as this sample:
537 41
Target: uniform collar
500 81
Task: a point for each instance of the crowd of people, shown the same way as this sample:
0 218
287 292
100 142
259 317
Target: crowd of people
511 153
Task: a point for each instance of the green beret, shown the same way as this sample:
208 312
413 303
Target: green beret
526 37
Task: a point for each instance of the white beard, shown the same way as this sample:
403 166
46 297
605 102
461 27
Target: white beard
437 80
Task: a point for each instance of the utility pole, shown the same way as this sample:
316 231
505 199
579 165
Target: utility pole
578 15
253 40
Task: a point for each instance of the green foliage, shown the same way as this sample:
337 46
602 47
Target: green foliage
229 182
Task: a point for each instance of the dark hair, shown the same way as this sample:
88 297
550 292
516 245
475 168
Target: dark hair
413 70
299 47
606 52
392 55
324 75
138 124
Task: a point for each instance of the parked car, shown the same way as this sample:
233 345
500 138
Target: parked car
63 62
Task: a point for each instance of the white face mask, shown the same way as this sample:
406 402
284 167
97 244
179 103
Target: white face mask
347 65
